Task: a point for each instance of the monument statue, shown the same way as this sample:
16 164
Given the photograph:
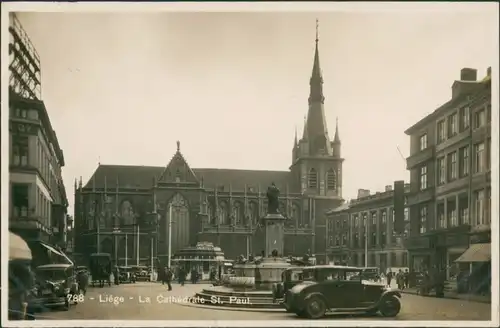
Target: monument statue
273 194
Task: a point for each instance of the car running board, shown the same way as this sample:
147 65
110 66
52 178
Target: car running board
356 309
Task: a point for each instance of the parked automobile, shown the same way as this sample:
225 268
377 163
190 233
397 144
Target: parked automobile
127 274
141 273
331 289
370 273
54 282
289 278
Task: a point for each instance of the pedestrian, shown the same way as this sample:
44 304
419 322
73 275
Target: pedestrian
406 279
400 279
182 276
389 278
83 281
168 278
163 275
116 275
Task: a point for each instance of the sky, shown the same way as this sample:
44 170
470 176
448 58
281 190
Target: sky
122 88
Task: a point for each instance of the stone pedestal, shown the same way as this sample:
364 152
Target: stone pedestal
274 233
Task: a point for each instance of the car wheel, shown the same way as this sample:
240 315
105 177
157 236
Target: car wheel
315 307
390 306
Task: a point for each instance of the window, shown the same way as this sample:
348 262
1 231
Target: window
479 118
20 201
423 219
356 240
463 205
365 217
465 113
384 217
440 131
331 180
452 125
374 218
488 154
344 225
356 221
313 179
330 241
452 166
487 207
441 217
423 177
423 141
374 239
337 241
479 208
452 214
464 161
20 150
441 172
337 224
383 239
344 239
479 157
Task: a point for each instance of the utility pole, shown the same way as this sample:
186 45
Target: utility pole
169 235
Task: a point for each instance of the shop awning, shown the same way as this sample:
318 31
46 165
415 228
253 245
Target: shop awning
60 253
18 248
476 253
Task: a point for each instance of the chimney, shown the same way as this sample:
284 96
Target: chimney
363 193
388 188
468 74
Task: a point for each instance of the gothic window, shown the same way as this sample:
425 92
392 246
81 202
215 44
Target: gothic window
253 212
180 224
127 213
312 178
238 217
282 209
210 214
223 215
331 180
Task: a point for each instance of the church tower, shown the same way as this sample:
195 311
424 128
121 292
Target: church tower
317 162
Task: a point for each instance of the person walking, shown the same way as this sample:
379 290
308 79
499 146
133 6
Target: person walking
400 279
83 281
389 278
168 278
406 278
182 276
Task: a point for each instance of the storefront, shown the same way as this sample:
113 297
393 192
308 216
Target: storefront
419 252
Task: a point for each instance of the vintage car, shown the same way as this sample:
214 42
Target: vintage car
331 289
289 278
127 274
368 273
141 273
54 282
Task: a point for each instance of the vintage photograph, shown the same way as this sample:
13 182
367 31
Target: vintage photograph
335 165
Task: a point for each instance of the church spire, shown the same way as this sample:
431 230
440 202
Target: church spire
337 136
295 141
305 133
316 81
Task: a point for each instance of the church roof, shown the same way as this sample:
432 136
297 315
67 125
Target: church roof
140 177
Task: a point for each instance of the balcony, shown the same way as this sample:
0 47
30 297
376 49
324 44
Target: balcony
420 196
420 157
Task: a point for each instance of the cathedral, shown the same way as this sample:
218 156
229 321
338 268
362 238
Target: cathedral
131 212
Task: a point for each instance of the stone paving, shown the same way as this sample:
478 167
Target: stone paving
152 301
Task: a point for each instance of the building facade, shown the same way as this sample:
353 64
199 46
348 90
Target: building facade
361 232
450 165
126 210
38 202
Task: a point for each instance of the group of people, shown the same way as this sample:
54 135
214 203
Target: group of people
402 278
166 276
